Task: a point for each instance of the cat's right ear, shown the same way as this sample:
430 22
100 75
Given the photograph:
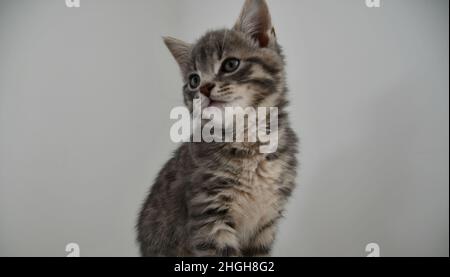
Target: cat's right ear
180 51
255 21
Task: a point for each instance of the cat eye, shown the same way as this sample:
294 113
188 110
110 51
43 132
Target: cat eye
230 65
194 81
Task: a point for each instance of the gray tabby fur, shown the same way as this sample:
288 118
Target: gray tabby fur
225 199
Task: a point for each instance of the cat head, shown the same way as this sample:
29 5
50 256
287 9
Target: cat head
238 67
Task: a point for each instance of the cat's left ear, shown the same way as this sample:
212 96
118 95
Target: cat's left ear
180 51
255 21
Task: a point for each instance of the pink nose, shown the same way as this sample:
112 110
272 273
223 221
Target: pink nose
207 88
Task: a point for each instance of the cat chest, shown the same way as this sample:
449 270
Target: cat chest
257 200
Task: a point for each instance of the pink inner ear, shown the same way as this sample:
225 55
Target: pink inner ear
263 39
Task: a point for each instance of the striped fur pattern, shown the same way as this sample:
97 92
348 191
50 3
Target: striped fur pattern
225 199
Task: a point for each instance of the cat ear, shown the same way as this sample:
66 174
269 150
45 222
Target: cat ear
256 22
180 51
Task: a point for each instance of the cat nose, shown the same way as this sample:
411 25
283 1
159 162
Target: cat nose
207 88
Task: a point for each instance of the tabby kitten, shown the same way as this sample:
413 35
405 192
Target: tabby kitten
225 199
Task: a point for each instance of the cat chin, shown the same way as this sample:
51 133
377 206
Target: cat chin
218 104
212 106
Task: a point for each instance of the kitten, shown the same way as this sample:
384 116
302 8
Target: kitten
225 199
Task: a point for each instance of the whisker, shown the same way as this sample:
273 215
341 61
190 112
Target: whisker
224 90
227 93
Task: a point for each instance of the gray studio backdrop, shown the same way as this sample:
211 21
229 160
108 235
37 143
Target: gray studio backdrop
85 96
